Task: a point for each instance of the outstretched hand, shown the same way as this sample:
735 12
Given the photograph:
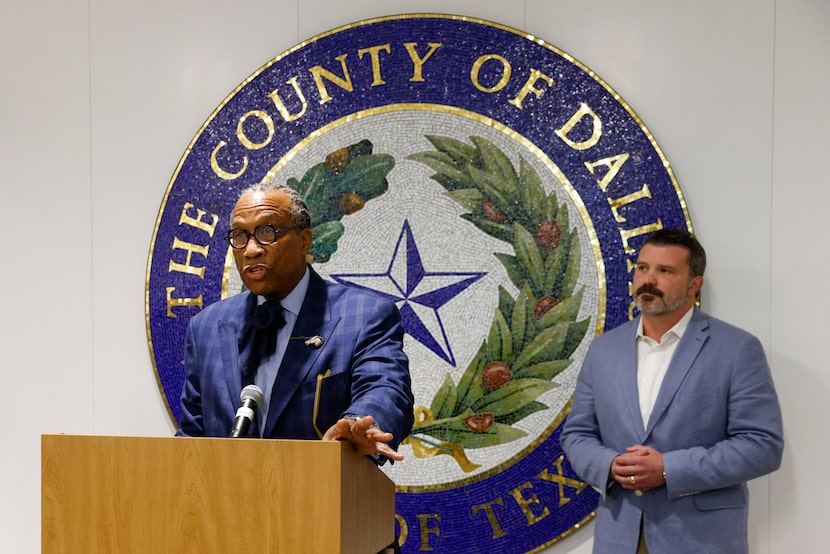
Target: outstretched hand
365 436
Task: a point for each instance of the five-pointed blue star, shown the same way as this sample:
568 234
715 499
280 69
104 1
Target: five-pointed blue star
420 293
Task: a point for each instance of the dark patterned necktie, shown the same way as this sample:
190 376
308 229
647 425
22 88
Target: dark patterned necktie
264 322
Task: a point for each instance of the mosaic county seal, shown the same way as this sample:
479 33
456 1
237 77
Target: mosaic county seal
489 183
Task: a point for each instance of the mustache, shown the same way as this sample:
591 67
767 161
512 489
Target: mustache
649 289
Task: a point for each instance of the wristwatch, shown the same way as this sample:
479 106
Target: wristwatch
356 418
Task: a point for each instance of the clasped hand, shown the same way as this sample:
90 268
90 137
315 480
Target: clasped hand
364 435
639 468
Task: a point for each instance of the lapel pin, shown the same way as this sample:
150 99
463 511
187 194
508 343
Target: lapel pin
316 341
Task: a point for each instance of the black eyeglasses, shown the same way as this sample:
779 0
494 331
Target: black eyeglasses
264 234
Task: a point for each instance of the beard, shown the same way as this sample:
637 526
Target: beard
659 303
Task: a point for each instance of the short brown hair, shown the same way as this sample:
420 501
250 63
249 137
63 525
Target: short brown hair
680 237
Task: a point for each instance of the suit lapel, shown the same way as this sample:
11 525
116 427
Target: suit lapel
230 328
628 361
233 360
314 319
687 351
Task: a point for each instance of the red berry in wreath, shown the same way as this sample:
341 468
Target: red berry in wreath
543 306
548 235
496 374
491 212
479 422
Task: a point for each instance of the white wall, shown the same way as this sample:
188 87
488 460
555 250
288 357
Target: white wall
99 98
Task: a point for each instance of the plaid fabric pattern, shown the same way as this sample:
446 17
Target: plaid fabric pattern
361 359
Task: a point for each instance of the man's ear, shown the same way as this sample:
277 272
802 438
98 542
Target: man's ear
305 237
695 285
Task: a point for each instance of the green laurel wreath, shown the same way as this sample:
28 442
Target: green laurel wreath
532 336
341 185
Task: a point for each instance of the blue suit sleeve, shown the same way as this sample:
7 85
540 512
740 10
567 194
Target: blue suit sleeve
191 405
581 438
381 385
754 440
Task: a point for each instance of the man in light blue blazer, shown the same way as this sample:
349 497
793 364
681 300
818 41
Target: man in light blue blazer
328 358
672 414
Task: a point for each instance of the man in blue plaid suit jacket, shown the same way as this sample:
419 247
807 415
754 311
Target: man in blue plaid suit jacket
339 370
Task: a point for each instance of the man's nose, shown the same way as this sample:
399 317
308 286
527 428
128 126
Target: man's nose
252 248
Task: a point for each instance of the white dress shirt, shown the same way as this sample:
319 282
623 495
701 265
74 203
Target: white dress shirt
653 359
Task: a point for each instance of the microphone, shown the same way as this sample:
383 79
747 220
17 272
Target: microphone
249 398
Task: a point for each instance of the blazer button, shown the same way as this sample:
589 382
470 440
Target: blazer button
638 492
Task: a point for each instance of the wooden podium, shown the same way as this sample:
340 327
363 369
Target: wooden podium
154 495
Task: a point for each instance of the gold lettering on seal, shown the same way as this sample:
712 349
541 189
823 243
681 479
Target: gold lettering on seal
628 234
582 112
562 481
535 76
221 173
506 71
618 203
280 105
180 302
404 534
417 61
487 507
374 55
319 73
198 222
427 529
243 138
613 163
525 503
188 267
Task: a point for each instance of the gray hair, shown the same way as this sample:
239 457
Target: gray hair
299 209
